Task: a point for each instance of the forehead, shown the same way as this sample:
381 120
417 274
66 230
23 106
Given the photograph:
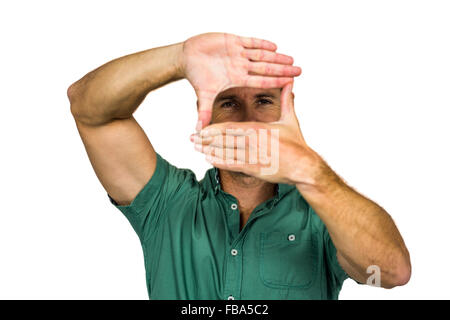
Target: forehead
248 93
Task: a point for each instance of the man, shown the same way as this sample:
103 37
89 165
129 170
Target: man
296 232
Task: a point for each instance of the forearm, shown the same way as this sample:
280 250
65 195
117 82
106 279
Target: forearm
116 89
363 232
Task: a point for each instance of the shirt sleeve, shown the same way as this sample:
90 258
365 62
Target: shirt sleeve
338 274
148 208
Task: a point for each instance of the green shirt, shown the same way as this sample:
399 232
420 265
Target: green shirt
193 248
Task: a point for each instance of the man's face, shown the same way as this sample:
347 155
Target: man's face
247 104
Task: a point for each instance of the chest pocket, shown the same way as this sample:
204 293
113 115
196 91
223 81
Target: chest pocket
288 260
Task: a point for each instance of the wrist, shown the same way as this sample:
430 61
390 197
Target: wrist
179 61
315 175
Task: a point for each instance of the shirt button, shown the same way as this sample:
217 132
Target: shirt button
230 298
291 237
234 252
234 206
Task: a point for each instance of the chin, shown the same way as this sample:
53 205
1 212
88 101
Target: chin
243 177
239 174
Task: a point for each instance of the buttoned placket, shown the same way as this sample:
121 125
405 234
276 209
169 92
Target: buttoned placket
233 260
233 270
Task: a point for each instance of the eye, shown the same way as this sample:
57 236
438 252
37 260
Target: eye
264 101
229 105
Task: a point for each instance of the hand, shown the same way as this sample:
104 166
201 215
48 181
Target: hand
285 159
214 62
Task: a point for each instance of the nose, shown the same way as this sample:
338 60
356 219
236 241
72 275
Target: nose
249 114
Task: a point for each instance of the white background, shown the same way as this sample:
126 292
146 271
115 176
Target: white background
373 100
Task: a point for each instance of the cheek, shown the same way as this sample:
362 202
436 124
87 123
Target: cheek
220 115
270 115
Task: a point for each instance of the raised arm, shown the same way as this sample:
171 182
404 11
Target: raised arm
363 233
103 101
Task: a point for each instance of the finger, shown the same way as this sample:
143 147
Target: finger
219 163
267 56
206 144
265 82
205 104
232 128
197 139
227 155
212 141
287 101
287 108
273 69
224 131
224 142
201 148
241 147
255 43
229 158
229 152
233 165
204 147
204 117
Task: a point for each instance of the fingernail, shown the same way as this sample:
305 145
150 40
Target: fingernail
198 147
194 138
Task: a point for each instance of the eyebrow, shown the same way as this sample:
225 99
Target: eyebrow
265 95
227 97
234 97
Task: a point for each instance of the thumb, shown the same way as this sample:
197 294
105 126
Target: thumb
204 108
288 115
287 103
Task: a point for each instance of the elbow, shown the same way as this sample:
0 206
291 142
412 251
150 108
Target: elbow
72 94
401 273
401 278
78 109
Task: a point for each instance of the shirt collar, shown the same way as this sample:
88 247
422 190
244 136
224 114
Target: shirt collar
213 178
